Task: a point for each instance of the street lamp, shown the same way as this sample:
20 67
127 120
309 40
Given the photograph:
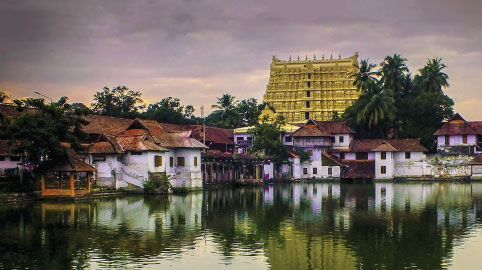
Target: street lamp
44 96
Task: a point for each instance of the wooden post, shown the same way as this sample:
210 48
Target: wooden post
72 192
42 183
256 169
88 182
224 176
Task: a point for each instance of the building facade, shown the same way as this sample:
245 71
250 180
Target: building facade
312 88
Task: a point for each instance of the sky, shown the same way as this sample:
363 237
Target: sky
197 50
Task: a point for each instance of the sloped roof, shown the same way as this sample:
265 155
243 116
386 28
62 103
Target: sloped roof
358 169
335 127
10 110
476 161
71 164
458 126
180 139
138 143
105 145
397 145
314 128
213 134
310 131
329 160
107 125
6 148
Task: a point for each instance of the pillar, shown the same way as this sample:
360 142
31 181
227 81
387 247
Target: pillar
42 183
72 192
88 182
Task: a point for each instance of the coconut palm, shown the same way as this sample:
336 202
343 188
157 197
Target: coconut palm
363 74
229 116
392 72
431 79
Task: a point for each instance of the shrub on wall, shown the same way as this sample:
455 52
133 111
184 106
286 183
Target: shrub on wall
157 183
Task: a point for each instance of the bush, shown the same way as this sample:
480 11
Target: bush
157 183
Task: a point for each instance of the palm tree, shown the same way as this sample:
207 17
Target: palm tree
374 109
431 79
392 70
363 75
229 116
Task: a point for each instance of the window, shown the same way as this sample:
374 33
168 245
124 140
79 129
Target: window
240 139
288 139
383 169
447 140
119 158
330 171
464 139
16 158
342 155
309 75
407 155
341 139
195 161
136 153
307 115
171 161
383 155
315 170
2 158
309 84
305 170
307 104
308 94
333 140
249 138
181 162
158 161
95 158
310 152
361 155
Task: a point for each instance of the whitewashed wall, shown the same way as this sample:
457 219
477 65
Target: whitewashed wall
388 163
8 164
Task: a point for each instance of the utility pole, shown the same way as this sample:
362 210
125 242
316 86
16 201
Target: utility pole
204 124
43 96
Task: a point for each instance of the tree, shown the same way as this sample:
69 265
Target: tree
39 136
118 102
268 140
229 116
249 110
392 71
3 96
169 110
373 113
364 76
431 79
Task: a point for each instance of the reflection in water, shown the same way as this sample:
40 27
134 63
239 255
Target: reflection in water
302 226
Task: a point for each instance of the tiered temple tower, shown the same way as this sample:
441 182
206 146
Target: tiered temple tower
311 88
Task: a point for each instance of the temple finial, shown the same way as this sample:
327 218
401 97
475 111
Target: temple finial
290 57
339 56
314 56
331 56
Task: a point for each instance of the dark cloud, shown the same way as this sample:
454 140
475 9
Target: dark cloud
196 50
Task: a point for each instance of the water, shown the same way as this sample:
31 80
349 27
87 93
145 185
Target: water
302 226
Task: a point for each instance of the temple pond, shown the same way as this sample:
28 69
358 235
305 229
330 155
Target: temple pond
300 226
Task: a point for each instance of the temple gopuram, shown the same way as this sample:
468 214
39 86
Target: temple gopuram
311 88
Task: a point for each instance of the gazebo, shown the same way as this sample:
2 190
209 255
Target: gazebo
67 179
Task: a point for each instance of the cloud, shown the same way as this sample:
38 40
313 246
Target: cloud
198 50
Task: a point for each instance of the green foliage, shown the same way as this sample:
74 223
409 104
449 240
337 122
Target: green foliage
226 112
398 104
170 110
335 116
268 140
39 135
157 183
3 96
118 102
304 156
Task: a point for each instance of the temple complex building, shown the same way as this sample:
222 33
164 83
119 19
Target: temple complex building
311 88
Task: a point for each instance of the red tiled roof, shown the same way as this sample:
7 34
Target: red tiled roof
71 164
213 134
335 127
10 110
107 125
358 169
138 143
399 145
6 148
329 160
476 161
458 126
310 131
